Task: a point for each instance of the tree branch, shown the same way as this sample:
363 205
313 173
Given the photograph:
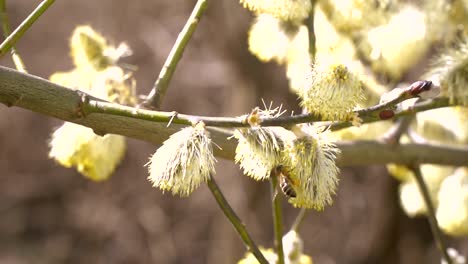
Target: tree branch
41 96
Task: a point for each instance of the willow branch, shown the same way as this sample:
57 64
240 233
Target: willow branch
277 219
41 96
11 40
370 116
431 213
235 221
6 31
156 95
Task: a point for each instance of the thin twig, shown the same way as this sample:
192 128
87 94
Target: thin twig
11 40
99 106
431 213
277 219
368 115
6 31
311 31
299 219
235 221
156 95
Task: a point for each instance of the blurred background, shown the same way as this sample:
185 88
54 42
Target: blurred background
49 214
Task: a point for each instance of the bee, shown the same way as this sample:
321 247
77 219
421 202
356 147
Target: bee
286 184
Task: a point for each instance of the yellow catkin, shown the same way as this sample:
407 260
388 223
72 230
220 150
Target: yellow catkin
96 73
310 160
183 162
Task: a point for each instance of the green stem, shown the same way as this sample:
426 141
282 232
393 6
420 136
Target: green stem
156 95
299 219
6 31
11 40
370 115
431 213
99 106
277 219
235 221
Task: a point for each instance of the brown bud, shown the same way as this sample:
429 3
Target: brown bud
386 114
420 86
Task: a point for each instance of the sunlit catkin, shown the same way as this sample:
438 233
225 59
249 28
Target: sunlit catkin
269 38
72 145
448 125
411 198
450 69
293 247
310 159
349 16
93 156
183 162
452 212
258 151
287 10
90 49
333 92
392 47
293 252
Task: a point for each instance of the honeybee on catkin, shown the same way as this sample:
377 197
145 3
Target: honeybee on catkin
286 184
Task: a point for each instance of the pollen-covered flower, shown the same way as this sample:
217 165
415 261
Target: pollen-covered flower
392 47
293 247
73 145
450 69
183 162
310 160
269 254
286 10
333 92
96 71
298 59
298 72
411 198
116 84
77 146
90 49
258 151
452 212
352 15
448 125
446 20
93 156
269 38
